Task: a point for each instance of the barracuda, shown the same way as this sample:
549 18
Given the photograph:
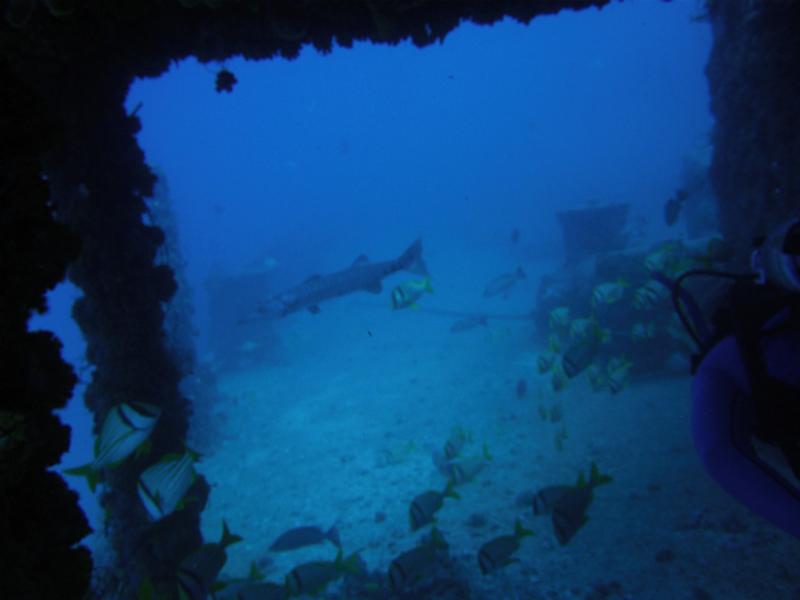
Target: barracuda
361 276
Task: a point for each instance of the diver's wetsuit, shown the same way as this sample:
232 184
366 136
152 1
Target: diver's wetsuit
723 417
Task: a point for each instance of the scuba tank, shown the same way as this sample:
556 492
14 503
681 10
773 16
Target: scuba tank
758 307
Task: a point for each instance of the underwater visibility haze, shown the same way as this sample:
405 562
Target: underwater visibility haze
427 295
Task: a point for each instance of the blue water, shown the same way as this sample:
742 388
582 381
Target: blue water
364 149
312 162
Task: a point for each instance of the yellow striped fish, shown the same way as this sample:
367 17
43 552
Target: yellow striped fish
416 564
406 294
643 331
649 295
617 374
198 572
558 319
424 506
608 293
597 377
313 577
458 438
545 361
569 511
465 470
498 553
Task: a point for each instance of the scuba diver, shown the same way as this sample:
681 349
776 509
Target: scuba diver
746 391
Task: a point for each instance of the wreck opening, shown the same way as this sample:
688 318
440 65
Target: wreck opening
308 162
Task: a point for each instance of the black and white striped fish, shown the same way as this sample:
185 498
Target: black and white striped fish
125 429
163 485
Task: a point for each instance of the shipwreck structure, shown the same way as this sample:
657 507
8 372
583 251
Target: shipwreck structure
72 186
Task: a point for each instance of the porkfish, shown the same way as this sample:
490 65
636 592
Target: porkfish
124 431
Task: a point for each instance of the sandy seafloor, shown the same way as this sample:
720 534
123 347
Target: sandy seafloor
304 438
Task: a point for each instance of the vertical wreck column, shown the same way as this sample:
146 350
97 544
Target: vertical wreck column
754 81
103 178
